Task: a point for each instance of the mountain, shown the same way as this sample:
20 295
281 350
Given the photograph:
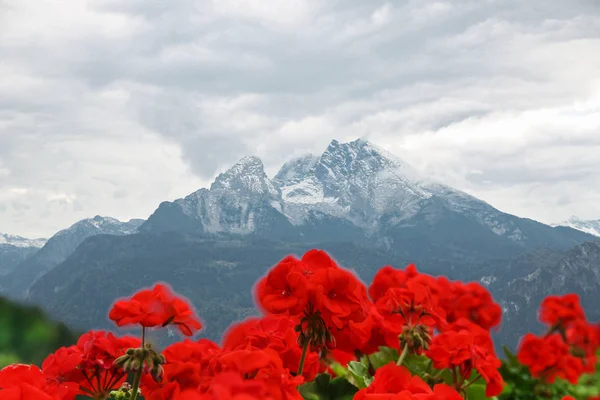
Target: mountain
18 241
241 201
355 191
592 227
58 248
15 249
521 284
216 275
361 204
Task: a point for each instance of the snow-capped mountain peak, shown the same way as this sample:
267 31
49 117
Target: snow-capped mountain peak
101 225
19 241
359 161
364 155
246 176
588 226
355 180
356 184
296 169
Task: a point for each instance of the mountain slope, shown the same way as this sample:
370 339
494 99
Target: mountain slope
12 256
15 249
522 283
216 275
58 248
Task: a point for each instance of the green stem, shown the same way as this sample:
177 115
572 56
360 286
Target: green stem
136 384
302 358
472 382
138 374
403 355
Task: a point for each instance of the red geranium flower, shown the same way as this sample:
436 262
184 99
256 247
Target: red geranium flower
187 367
561 310
472 301
28 382
276 333
464 350
25 391
90 363
264 366
231 386
386 278
285 289
338 295
398 384
548 358
314 260
584 341
156 307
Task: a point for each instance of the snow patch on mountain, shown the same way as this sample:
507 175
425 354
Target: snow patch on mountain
591 226
488 280
101 225
19 241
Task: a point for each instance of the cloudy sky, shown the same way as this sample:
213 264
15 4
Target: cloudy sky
112 106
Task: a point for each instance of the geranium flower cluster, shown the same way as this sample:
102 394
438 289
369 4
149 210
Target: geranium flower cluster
568 349
318 319
402 309
87 368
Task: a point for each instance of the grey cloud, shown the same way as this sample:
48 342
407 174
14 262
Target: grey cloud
209 85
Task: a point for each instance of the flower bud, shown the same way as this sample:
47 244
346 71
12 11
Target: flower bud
157 372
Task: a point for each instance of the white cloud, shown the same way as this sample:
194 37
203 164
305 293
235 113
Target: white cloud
110 107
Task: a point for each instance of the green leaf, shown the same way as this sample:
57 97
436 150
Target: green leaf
341 389
510 356
317 389
417 365
360 372
339 369
476 392
384 356
325 388
446 375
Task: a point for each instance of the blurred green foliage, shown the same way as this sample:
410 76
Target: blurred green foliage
27 335
522 386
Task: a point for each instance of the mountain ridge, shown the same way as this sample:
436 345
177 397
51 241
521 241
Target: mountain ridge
588 226
351 184
61 245
19 241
